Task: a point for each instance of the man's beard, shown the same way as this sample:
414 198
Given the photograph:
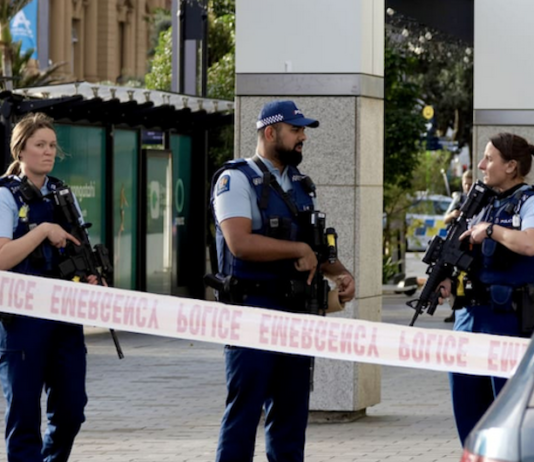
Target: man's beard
290 157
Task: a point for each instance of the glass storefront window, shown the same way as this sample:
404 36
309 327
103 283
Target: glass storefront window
83 170
159 222
125 207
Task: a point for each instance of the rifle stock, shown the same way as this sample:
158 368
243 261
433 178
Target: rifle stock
444 255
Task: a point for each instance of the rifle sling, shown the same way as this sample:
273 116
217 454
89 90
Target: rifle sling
270 180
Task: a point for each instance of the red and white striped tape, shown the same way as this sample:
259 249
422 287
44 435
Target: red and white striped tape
327 337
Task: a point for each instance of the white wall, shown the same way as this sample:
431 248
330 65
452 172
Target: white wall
280 44
504 55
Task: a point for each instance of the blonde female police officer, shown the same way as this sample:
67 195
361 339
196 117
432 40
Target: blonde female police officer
37 353
502 238
257 243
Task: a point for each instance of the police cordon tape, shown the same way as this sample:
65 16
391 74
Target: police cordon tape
326 337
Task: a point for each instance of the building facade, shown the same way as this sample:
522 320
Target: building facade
101 40
503 97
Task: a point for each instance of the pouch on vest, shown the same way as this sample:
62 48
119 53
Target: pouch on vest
501 298
524 304
280 228
497 254
488 247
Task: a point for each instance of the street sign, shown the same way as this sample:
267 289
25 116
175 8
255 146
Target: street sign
428 112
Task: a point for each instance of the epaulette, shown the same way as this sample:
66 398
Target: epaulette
12 182
235 163
518 198
521 197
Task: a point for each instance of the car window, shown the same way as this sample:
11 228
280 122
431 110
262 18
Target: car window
422 207
440 207
429 207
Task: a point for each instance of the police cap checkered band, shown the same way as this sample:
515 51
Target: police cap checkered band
283 111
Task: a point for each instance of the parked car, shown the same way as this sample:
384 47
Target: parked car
424 220
504 434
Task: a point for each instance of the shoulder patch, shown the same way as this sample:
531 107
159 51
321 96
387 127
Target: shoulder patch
223 184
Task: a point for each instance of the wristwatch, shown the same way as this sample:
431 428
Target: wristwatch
489 230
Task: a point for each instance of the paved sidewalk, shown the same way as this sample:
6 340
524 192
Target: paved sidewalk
164 402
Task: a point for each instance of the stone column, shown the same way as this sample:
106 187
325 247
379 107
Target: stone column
503 97
129 39
329 59
107 35
140 26
90 41
57 33
43 34
67 39
78 24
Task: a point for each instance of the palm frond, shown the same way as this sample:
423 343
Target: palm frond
9 8
41 78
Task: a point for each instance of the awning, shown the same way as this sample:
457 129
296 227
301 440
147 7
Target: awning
106 104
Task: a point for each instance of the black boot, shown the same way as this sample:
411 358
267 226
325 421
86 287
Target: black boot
450 318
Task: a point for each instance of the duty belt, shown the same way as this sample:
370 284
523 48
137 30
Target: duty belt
274 288
481 295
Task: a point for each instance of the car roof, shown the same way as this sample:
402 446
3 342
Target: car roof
423 195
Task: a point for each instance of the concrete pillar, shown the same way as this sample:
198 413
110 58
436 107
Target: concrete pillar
328 56
503 97
90 41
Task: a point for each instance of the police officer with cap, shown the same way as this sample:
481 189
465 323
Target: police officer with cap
258 232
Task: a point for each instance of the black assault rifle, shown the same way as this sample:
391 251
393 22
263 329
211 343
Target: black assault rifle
444 255
323 242
80 261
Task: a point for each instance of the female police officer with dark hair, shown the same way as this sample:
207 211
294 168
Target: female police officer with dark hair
37 353
502 239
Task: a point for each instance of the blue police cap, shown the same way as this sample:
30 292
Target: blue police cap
283 111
